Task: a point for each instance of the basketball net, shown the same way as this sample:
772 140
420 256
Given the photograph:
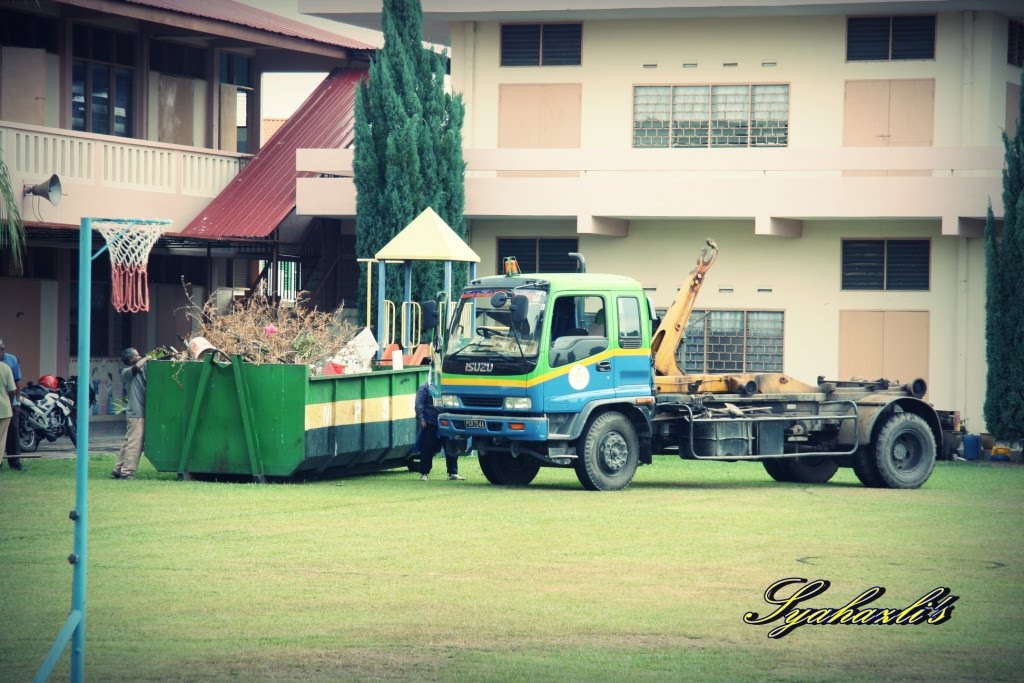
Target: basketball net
129 243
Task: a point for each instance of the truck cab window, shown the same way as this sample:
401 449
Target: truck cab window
575 331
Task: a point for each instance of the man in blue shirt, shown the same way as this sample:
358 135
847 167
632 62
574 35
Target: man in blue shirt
13 443
430 444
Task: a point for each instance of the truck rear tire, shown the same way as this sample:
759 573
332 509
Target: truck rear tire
801 470
608 453
903 453
501 469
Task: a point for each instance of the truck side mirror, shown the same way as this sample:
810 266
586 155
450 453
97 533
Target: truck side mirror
429 309
520 308
498 299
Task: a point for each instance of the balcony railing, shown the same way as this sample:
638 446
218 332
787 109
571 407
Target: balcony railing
171 181
125 163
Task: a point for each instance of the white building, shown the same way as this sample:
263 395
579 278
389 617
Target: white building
841 154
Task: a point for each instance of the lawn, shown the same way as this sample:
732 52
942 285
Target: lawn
385 577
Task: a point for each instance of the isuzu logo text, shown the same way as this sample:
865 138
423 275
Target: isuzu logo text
479 367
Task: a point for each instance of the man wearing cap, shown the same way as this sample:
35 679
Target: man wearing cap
13 445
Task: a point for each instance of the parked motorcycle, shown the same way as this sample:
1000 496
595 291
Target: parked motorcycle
48 411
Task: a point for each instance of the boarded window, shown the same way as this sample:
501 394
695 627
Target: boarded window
890 38
886 265
541 44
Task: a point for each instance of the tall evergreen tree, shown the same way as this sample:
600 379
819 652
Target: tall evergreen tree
1004 292
408 146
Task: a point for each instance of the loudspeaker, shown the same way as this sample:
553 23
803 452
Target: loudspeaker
49 190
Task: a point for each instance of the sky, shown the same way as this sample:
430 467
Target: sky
283 93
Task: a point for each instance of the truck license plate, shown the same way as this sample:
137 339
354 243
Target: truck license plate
476 424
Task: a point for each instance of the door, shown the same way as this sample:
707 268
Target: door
889 344
632 362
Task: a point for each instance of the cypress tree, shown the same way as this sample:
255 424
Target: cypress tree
408 147
1004 295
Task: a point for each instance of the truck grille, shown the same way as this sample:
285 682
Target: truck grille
482 401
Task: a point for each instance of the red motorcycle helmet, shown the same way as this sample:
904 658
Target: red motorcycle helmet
50 382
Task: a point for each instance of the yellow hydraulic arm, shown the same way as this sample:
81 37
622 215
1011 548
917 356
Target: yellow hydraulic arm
670 333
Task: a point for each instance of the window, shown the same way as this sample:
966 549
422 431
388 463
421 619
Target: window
539 255
541 44
575 334
630 334
1015 44
103 81
177 59
28 30
890 38
733 341
711 116
886 264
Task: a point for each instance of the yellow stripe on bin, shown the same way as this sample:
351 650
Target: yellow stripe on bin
356 411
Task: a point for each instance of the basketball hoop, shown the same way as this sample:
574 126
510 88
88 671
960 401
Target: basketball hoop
130 241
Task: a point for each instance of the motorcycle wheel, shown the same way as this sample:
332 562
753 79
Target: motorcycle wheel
27 437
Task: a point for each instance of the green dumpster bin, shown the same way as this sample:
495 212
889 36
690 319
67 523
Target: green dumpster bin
242 420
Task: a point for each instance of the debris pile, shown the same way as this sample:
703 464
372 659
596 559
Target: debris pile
261 331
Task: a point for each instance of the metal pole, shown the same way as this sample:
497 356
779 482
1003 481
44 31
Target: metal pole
381 282
407 320
74 628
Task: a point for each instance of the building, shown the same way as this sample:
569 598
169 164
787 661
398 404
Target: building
151 109
841 154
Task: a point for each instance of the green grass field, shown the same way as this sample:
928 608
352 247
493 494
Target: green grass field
385 577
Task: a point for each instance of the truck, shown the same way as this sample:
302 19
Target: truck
574 370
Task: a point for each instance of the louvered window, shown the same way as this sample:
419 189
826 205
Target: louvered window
539 254
1015 44
890 38
541 44
886 265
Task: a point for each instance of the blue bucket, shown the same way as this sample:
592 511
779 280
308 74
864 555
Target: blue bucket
972 447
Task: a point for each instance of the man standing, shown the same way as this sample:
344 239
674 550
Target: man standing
430 444
133 379
13 443
7 392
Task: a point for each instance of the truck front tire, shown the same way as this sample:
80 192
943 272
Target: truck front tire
501 469
902 455
801 470
608 453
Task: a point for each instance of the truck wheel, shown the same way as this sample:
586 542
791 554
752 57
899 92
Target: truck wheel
865 472
502 469
903 454
801 470
608 453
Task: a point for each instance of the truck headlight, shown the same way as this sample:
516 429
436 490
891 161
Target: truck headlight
518 403
449 400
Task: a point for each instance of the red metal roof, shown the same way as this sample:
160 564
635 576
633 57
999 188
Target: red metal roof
263 194
251 17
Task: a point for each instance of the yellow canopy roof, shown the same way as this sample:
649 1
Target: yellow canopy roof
427 238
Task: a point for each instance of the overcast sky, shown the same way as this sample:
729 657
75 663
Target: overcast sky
283 93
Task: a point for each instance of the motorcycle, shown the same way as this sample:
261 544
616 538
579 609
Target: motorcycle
48 411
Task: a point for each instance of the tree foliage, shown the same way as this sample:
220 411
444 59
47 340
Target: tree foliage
12 230
408 147
1004 296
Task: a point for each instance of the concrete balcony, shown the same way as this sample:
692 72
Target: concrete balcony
778 189
106 176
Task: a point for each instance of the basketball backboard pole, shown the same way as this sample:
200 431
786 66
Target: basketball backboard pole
73 630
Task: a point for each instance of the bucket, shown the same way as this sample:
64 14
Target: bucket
972 447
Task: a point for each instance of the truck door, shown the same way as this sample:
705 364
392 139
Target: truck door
582 367
632 360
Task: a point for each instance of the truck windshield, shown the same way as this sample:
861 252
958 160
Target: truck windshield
479 328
